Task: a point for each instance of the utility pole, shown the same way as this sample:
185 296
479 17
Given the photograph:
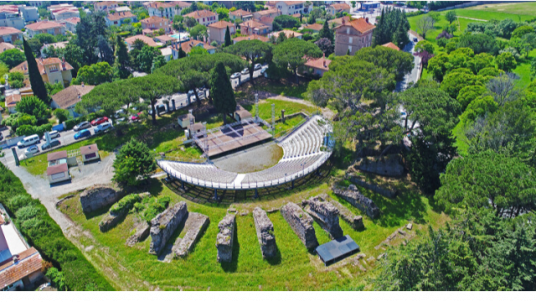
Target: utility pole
273 119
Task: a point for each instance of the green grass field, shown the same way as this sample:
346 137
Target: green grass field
499 11
294 268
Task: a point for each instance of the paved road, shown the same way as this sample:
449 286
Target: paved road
410 77
245 77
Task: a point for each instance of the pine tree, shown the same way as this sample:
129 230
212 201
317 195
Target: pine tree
228 41
325 32
348 52
182 54
38 86
121 59
222 91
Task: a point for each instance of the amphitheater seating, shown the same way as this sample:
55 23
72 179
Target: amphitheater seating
206 172
304 141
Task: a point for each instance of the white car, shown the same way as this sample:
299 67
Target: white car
102 127
52 134
235 75
245 71
29 152
258 66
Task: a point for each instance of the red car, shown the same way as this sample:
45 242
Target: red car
135 117
99 121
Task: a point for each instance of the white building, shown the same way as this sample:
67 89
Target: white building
29 13
11 17
166 9
291 7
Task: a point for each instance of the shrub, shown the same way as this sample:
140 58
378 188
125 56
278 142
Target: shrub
27 212
30 130
62 115
125 204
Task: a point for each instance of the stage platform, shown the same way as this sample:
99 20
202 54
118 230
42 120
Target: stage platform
231 137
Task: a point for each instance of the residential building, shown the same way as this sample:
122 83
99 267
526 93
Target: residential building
165 39
105 6
266 20
317 66
70 24
53 70
391 45
167 53
10 34
89 153
290 7
188 46
352 36
11 17
69 97
58 167
204 17
253 27
338 8
29 13
240 14
5 46
336 22
370 6
167 9
272 13
216 31
57 10
20 264
45 27
122 9
288 33
154 23
118 18
12 97
252 37
130 41
314 27
56 45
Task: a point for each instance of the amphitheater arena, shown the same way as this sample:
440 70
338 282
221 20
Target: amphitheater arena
305 149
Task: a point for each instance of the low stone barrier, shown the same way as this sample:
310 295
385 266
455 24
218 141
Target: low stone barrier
195 226
301 223
142 231
355 221
265 233
110 220
326 214
164 224
225 238
358 200
98 197
388 166
374 188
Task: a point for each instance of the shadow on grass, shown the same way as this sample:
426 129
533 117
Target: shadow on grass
233 265
276 259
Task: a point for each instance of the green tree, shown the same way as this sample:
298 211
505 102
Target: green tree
155 86
228 41
198 31
451 16
424 46
145 58
18 119
73 54
158 62
222 91
254 51
12 57
506 61
94 74
122 61
292 53
104 97
56 278
325 32
479 43
38 86
521 31
455 81
33 106
134 161
283 21
469 93
61 114
182 54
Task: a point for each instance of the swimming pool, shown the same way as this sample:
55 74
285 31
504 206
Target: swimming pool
181 36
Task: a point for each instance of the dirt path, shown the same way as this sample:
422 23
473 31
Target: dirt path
469 18
263 95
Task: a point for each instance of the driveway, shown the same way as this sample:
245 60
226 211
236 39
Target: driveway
413 75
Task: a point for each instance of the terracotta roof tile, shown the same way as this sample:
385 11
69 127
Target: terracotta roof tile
391 45
89 149
221 24
320 63
240 12
143 38
5 46
41 25
73 20
29 262
360 25
288 33
154 19
69 96
252 37
340 6
315 26
6 30
253 23
57 169
165 38
120 15
23 67
12 100
56 155
187 46
201 14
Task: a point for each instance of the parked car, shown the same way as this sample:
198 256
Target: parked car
52 134
245 71
159 109
135 117
119 113
52 144
28 141
31 151
1 137
258 66
82 125
235 75
263 70
102 127
99 121
82 134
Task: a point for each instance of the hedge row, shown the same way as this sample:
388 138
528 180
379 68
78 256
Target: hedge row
125 204
30 130
33 221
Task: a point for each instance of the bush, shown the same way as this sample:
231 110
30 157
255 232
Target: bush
27 212
125 204
155 207
62 115
31 130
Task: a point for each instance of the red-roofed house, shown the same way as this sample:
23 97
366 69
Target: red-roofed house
392 46
272 13
65 13
89 153
10 34
204 17
45 27
317 66
352 36
70 24
53 70
291 7
252 37
119 17
130 41
105 6
314 27
240 14
216 31
253 27
154 23
5 46
166 9
11 16
189 45
338 8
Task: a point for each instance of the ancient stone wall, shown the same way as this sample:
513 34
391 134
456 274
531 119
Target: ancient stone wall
164 224
224 241
142 231
374 188
326 214
355 221
98 197
111 219
358 200
195 225
388 166
301 223
265 233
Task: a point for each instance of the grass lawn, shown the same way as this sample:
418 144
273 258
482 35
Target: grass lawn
294 268
523 70
500 11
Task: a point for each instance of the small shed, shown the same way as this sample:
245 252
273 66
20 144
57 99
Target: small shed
195 129
337 249
89 153
56 157
241 113
58 173
184 120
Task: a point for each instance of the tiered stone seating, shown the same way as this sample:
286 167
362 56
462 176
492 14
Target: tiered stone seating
282 169
204 172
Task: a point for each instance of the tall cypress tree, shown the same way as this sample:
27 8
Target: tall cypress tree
38 86
221 91
121 59
182 54
228 41
325 32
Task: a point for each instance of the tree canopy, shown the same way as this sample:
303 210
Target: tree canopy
222 91
133 163
293 52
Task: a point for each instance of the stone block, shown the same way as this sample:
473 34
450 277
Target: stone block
97 197
195 226
326 214
225 238
111 219
265 233
388 166
358 200
355 221
164 225
301 223
142 231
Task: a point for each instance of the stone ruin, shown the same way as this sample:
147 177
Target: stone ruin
97 197
326 214
194 227
355 221
301 223
224 241
388 166
358 200
265 233
164 225
142 231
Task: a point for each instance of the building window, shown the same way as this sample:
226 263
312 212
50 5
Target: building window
350 48
350 40
348 31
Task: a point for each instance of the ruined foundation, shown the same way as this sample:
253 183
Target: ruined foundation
164 224
358 200
326 214
224 241
97 197
265 233
195 226
301 223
